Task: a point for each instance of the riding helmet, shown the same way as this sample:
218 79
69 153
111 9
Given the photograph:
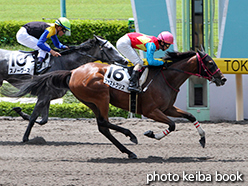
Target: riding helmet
63 22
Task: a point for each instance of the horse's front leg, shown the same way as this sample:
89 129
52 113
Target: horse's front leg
176 112
159 116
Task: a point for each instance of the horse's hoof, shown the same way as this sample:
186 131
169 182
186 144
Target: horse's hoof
149 134
132 156
17 109
24 139
202 141
134 140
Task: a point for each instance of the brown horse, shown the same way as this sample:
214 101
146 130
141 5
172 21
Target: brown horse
87 84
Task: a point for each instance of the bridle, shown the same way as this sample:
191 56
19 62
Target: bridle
202 68
101 48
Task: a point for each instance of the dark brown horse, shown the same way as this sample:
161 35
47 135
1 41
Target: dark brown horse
87 84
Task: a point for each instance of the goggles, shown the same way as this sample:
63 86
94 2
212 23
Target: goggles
64 30
166 44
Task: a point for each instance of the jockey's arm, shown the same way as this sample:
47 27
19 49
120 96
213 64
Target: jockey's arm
151 48
56 42
43 39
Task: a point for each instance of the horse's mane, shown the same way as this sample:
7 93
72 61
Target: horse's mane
85 46
178 56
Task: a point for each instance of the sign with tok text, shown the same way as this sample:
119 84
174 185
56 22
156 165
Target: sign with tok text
232 65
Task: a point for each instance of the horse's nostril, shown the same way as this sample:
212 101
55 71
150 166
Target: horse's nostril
223 80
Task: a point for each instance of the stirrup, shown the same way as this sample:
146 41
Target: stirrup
42 70
134 89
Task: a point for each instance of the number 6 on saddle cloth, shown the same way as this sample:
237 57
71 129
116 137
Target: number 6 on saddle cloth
118 77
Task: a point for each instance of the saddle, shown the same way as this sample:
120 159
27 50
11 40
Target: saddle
39 68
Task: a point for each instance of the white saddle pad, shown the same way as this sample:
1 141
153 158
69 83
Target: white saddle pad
23 63
117 77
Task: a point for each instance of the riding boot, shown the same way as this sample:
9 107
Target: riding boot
39 69
134 82
39 63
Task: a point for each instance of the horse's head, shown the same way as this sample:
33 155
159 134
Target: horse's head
208 69
108 53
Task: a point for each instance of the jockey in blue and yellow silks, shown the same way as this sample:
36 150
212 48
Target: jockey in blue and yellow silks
35 34
149 44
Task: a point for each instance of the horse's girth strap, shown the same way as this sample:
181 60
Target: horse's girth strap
133 97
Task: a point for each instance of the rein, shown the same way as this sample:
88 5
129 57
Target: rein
176 90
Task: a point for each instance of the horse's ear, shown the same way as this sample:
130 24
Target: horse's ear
95 37
202 49
201 53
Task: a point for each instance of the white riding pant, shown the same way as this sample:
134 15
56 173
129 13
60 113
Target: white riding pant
27 40
124 46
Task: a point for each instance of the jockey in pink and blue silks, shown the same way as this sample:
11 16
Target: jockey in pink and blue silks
131 41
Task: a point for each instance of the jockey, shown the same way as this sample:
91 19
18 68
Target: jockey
131 41
35 34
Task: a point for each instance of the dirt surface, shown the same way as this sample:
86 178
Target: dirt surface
73 152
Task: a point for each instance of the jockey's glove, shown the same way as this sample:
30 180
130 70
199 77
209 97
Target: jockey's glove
71 47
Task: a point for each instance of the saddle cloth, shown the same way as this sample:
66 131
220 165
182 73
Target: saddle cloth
118 77
23 62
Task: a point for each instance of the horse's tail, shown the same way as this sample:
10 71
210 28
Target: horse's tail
56 80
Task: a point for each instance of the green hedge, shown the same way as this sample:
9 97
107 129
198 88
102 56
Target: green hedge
65 110
82 30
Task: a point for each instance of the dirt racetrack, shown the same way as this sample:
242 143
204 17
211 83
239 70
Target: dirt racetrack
73 152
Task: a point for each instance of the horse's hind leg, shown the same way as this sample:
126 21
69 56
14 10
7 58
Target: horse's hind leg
176 112
18 110
40 105
44 114
104 125
109 125
25 116
124 131
32 119
103 128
